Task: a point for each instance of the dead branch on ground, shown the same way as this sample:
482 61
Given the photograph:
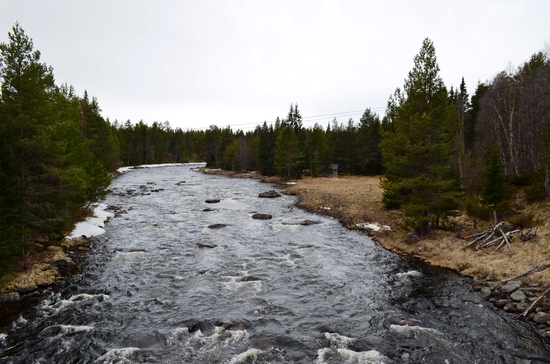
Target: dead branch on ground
536 269
489 238
532 305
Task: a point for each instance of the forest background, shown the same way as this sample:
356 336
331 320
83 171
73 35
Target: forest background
440 150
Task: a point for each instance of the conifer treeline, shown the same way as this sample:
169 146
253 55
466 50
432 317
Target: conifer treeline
56 151
434 145
284 148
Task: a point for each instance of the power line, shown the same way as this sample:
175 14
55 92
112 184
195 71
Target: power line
309 119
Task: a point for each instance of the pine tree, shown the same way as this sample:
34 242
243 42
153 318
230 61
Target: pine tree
26 89
416 155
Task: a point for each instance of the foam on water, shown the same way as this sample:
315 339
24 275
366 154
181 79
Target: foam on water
118 356
238 285
411 331
339 352
244 357
409 274
215 346
288 261
130 254
339 341
347 356
428 335
71 329
54 306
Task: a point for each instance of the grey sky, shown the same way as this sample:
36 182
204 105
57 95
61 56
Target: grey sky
204 62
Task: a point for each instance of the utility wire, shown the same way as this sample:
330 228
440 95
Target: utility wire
305 119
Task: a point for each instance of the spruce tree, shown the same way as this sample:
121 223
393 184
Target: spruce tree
495 188
416 154
288 158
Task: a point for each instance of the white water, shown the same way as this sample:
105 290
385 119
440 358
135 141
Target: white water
163 286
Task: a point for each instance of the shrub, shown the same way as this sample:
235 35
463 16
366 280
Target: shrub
535 192
477 210
522 221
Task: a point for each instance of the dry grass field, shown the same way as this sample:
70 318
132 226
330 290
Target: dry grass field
354 200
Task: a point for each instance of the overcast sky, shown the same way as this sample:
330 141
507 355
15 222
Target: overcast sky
213 62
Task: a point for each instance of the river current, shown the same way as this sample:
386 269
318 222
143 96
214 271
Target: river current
177 280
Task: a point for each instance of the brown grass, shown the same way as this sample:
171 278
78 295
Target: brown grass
355 200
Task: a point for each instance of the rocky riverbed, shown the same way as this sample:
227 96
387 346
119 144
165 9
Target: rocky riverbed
518 297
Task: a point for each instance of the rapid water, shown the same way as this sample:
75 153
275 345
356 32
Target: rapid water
163 285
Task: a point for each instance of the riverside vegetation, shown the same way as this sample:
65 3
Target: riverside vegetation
451 162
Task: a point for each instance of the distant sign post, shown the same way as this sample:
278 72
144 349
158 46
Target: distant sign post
334 168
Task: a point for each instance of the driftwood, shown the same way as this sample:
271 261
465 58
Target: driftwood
536 269
486 239
532 305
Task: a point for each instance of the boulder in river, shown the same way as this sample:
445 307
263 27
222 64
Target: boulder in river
309 222
212 200
261 216
10 297
217 226
270 194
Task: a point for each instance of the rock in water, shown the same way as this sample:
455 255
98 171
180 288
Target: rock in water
212 200
10 297
217 226
270 194
309 222
209 246
261 216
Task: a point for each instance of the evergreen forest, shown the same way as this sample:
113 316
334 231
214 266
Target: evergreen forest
440 149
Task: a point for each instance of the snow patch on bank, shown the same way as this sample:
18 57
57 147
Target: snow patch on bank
129 168
92 226
374 226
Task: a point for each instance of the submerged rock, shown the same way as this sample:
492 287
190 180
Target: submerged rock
232 325
207 246
248 279
309 222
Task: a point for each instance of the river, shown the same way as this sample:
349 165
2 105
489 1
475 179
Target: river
177 280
